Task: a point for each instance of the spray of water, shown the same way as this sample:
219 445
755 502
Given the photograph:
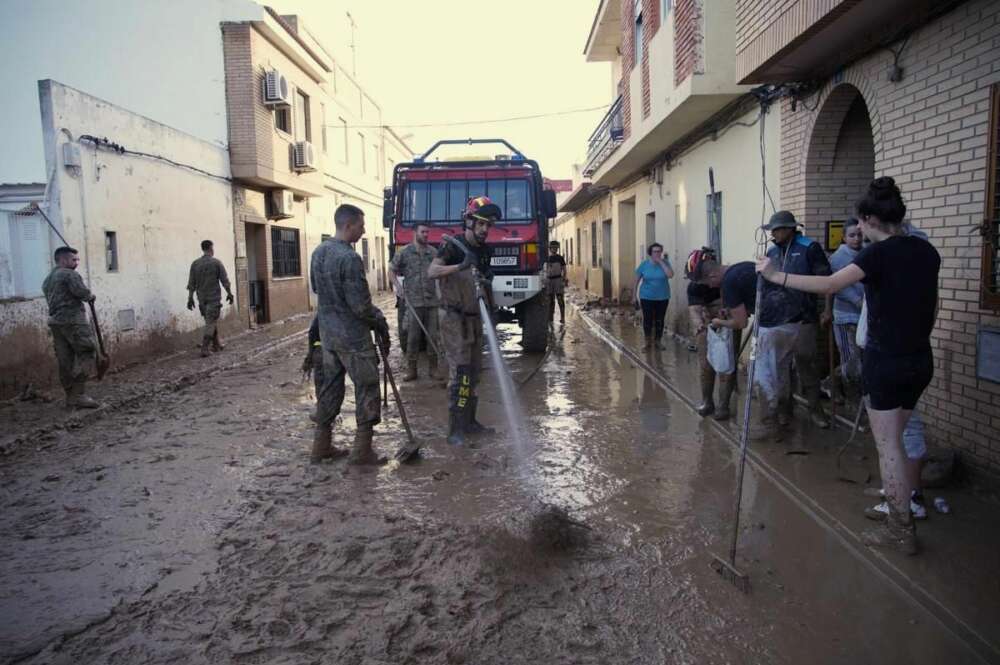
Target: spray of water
511 403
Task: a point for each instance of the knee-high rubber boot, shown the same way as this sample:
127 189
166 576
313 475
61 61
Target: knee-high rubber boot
472 425
707 406
206 343
763 420
362 453
456 428
727 384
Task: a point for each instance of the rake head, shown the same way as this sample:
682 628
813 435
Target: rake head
730 573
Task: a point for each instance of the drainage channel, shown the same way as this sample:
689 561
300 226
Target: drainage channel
878 563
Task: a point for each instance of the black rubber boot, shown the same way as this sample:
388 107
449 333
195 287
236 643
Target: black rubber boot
473 426
727 384
707 406
456 428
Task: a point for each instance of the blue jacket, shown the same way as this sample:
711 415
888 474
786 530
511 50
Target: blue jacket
781 305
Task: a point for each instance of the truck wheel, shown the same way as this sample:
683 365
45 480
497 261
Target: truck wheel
535 324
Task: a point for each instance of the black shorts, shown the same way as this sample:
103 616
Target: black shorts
895 382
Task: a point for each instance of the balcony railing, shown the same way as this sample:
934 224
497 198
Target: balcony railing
609 134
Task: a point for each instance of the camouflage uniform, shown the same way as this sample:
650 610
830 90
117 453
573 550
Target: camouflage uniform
346 318
72 335
204 277
462 325
555 284
420 292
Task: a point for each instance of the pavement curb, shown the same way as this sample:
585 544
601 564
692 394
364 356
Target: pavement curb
878 563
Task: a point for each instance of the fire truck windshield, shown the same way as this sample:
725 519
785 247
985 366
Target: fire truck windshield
442 201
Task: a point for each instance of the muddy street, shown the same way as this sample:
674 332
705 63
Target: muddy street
190 528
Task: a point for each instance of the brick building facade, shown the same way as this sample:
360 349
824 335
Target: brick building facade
928 126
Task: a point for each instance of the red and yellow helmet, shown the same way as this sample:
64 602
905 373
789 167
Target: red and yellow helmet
481 207
695 259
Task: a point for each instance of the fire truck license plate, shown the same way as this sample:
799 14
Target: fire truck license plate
503 261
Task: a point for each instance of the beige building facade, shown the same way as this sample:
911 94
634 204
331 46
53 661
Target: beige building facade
305 137
921 106
678 112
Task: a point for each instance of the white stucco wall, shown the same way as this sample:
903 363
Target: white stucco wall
159 211
159 59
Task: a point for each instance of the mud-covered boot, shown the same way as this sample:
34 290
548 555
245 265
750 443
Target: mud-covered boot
817 416
206 344
323 446
433 370
456 428
217 344
362 453
411 369
660 344
764 422
896 532
727 383
707 406
76 399
472 425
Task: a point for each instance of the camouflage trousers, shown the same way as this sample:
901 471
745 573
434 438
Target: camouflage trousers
415 334
211 312
462 338
76 352
329 377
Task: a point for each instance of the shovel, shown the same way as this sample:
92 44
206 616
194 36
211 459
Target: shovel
103 361
411 450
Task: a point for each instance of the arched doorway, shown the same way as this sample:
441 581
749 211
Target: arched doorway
840 161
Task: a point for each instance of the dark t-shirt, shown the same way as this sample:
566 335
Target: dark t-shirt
452 255
555 258
901 281
701 294
739 286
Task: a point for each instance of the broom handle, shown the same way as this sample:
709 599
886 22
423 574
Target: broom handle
97 327
745 434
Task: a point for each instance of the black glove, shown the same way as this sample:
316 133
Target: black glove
229 298
190 303
92 298
467 262
382 333
307 362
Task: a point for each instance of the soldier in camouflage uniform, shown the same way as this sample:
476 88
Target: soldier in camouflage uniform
420 292
462 270
347 318
204 277
76 351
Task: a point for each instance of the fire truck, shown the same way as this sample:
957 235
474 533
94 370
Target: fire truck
435 192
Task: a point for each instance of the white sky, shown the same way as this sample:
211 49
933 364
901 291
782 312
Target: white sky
431 61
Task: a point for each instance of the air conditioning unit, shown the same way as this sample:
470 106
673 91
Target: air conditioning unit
303 156
277 92
282 204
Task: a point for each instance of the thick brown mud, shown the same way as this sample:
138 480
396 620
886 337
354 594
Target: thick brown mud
191 529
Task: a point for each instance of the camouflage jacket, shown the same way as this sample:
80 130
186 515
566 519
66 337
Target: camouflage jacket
65 292
346 313
206 273
411 264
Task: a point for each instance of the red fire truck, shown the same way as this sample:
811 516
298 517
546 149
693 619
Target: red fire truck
435 193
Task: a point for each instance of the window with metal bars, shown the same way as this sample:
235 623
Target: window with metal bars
990 229
285 252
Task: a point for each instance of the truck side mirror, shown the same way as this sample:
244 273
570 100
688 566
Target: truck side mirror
387 208
549 203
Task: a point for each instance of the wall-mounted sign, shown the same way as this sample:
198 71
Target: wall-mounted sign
988 354
834 234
